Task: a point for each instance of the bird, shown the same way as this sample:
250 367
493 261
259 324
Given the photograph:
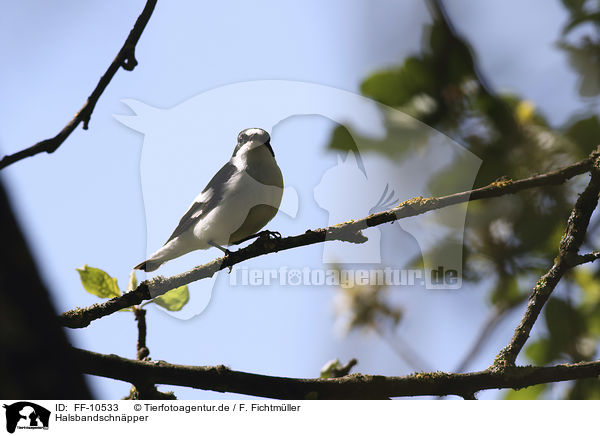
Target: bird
240 199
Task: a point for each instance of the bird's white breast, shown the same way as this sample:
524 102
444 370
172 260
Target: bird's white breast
242 193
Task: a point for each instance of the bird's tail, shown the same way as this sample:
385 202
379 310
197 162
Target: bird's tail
149 265
170 250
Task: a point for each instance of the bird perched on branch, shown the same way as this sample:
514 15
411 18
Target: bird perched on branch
238 201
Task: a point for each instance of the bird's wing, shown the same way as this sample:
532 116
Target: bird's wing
207 200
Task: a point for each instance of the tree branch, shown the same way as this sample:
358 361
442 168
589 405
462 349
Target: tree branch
125 58
403 350
567 257
486 330
144 389
348 231
140 317
357 386
584 258
501 114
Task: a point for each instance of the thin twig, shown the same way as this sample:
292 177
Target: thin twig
125 58
140 316
497 315
567 257
490 324
348 231
403 350
502 114
354 386
585 258
144 389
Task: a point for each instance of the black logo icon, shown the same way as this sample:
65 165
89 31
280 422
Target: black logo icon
26 415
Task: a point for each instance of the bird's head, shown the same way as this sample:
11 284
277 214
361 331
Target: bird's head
250 139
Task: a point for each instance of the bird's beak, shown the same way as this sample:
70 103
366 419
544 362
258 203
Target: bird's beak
268 145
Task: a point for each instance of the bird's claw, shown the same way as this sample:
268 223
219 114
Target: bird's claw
268 234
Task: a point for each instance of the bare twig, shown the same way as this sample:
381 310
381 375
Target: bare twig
358 386
403 350
439 13
502 114
490 324
125 58
144 389
140 316
348 231
496 316
584 258
567 257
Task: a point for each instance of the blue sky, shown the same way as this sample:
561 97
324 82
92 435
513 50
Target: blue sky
84 203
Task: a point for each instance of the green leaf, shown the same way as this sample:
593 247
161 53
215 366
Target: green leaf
585 389
578 19
589 284
454 52
174 300
398 86
98 282
541 352
530 393
507 292
342 139
585 133
565 324
330 368
582 58
132 282
573 5
593 320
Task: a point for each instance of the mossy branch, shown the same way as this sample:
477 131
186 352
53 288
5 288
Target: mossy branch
567 258
347 231
353 386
